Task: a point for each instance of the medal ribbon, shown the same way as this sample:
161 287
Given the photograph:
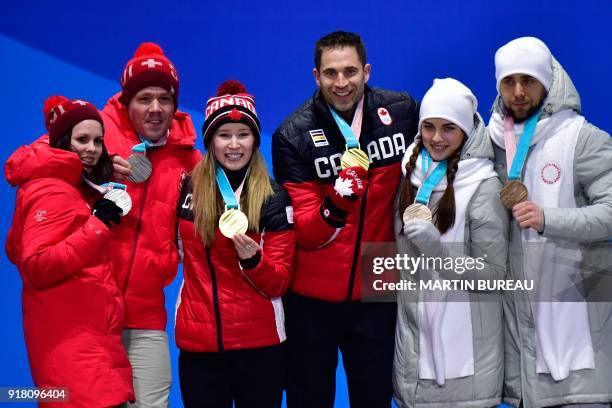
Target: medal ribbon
432 180
518 155
350 133
226 189
106 187
142 147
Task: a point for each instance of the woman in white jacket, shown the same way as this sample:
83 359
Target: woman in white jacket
449 346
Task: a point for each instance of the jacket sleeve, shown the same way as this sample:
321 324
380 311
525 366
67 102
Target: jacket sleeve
271 276
593 176
312 231
52 249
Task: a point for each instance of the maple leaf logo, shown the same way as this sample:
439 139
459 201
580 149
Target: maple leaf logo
344 187
235 115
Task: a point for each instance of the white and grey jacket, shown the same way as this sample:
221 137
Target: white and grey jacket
589 223
486 231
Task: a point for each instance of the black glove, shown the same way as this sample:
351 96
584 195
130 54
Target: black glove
107 211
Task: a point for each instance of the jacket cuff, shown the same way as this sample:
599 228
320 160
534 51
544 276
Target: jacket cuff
543 223
332 214
252 262
553 226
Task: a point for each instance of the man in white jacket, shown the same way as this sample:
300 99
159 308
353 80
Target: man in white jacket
557 170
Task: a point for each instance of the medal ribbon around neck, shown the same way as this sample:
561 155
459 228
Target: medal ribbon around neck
115 192
516 156
431 181
350 133
232 221
353 156
229 198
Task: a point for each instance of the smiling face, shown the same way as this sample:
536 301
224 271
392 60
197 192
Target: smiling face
342 78
151 111
441 138
522 95
87 141
233 145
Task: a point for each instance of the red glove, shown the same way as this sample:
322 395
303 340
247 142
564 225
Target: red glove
350 185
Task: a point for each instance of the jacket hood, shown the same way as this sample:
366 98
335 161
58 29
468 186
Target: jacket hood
562 95
39 160
182 132
479 144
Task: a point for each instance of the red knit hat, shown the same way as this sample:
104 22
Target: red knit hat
61 114
232 104
149 67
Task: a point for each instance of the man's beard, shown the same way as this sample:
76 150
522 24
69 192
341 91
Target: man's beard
530 113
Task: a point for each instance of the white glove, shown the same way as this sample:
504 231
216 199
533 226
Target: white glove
425 236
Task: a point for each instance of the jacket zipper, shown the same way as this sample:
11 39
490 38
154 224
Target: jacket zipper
137 235
213 277
357 247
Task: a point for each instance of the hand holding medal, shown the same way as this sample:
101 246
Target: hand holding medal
115 192
245 246
349 186
121 168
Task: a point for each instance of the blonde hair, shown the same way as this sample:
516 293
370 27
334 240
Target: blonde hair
208 204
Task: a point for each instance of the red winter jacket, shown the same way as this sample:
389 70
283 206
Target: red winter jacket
306 151
72 308
221 305
144 246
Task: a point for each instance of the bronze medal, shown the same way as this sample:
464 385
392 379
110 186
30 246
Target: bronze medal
417 211
141 168
121 198
355 157
512 193
233 222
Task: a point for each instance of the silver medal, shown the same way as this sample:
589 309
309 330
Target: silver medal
141 168
121 198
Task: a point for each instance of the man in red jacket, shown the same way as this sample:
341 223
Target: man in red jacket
339 202
143 125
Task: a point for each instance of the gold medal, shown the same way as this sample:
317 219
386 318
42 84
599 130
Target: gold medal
416 211
512 193
355 157
233 222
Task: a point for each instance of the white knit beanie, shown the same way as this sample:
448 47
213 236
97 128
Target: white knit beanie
525 55
451 100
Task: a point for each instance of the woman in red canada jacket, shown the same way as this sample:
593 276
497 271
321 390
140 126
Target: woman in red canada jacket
237 235
72 309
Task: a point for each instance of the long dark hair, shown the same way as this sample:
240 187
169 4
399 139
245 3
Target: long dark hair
102 171
444 214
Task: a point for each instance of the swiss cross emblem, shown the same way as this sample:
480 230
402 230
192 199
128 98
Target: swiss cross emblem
384 116
151 63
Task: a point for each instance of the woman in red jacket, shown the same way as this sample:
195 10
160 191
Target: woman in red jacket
72 309
238 243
